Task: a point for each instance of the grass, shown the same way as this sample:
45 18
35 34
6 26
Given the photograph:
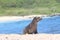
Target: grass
23 11
28 7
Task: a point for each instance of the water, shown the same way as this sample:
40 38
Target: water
13 27
47 25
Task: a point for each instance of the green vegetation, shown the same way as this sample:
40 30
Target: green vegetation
29 7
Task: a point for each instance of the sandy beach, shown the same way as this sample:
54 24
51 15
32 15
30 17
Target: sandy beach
9 18
26 36
30 37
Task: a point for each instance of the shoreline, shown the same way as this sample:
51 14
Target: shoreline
30 37
27 36
9 18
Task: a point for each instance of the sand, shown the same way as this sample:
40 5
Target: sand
26 36
9 18
30 37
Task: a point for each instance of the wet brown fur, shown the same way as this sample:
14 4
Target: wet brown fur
32 27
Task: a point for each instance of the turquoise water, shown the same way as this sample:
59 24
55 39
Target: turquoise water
47 25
